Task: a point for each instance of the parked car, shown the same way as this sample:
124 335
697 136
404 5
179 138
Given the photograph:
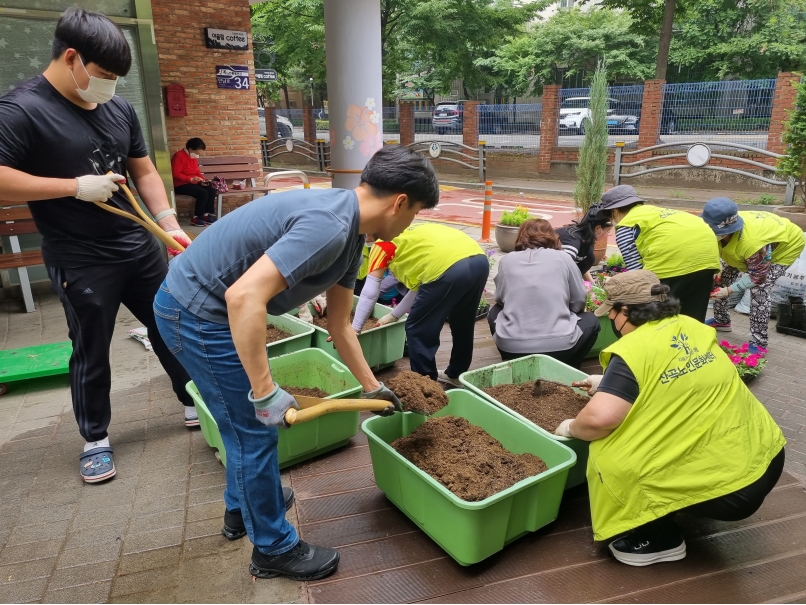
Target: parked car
284 127
496 119
575 115
448 116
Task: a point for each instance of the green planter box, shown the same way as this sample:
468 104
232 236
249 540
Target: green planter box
381 346
301 335
523 370
308 368
470 531
605 338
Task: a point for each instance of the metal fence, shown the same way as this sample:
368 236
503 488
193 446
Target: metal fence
513 126
736 111
623 116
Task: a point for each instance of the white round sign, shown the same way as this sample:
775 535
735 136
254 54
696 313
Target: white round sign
435 149
289 144
698 155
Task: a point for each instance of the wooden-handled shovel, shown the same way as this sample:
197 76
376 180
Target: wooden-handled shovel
313 407
142 219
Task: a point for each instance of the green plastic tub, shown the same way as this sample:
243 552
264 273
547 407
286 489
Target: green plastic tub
470 531
381 346
301 335
527 369
605 338
306 369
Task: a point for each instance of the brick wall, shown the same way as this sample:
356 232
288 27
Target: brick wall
548 127
407 128
651 108
783 102
225 119
470 123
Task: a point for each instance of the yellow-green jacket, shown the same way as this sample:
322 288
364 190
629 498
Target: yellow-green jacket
760 229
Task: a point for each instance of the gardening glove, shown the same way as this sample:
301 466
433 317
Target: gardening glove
383 392
271 409
97 188
564 430
721 293
320 305
181 238
387 319
304 313
590 384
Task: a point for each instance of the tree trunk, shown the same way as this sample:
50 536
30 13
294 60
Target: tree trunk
665 39
285 92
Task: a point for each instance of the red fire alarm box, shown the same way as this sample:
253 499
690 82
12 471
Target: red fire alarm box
175 95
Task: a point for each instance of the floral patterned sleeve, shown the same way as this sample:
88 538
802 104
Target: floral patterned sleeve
758 265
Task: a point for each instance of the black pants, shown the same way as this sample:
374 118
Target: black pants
588 323
693 291
204 195
91 299
454 298
730 507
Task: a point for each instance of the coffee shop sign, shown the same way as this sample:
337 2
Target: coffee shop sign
226 39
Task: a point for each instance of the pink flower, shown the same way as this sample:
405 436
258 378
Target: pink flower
751 362
744 348
726 344
359 124
735 359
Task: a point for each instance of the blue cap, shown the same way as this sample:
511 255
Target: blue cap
722 215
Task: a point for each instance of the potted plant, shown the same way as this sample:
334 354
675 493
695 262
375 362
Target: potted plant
506 231
793 164
592 164
748 365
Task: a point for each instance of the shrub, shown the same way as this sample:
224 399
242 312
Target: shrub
793 164
515 218
593 151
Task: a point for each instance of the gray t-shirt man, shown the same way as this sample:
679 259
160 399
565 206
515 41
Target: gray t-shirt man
310 235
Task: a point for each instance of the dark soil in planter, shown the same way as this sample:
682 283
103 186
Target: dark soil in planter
273 334
307 392
557 403
321 322
465 458
418 393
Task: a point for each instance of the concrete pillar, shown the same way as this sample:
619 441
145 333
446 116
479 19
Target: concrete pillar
548 127
271 123
651 112
308 125
407 129
783 102
470 123
354 88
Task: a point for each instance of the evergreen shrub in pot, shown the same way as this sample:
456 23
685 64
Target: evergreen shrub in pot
506 231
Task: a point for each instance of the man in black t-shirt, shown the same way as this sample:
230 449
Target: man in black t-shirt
65 141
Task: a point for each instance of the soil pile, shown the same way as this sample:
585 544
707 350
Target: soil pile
321 322
465 458
306 392
273 334
556 403
418 393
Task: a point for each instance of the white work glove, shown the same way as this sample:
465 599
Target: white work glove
97 188
387 319
564 430
320 304
590 384
181 238
721 293
305 313
271 409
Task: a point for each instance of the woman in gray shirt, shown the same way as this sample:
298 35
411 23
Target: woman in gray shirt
540 300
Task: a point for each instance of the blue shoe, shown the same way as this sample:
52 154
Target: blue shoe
209 219
97 465
754 349
711 322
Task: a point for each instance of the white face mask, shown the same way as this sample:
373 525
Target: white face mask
99 90
195 156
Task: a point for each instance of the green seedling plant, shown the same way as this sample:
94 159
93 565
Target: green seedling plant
515 218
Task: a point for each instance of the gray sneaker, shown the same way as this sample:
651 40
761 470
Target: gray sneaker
445 379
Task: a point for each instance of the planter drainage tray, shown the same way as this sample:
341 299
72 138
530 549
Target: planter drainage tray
301 335
381 346
523 370
309 368
470 531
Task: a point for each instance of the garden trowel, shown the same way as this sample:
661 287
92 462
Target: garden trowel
313 407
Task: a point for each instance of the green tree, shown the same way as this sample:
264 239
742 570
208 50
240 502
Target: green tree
793 164
569 42
593 151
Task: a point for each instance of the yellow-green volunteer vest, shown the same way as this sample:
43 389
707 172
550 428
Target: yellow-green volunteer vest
363 270
672 242
425 251
695 433
760 229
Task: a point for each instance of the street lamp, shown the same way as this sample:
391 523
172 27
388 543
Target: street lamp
311 92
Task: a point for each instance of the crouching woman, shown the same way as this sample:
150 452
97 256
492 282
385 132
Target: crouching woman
672 428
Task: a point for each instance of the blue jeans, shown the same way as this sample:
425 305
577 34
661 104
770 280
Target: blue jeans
207 352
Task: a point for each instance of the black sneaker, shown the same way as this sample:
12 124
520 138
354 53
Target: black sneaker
303 562
234 529
641 550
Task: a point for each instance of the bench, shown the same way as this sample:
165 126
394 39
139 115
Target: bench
15 221
234 167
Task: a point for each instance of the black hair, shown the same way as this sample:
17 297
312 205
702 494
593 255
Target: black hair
638 315
586 226
195 143
395 169
624 209
95 38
